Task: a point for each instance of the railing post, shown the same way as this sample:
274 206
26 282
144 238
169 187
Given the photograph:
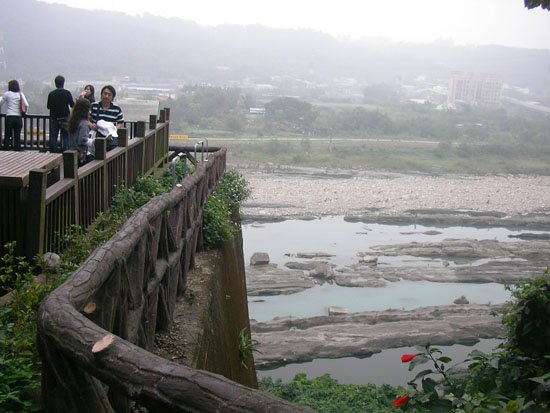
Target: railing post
140 129
70 171
123 137
100 155
152 121
70 164
100 149
162 116
153 126
167 114
36 213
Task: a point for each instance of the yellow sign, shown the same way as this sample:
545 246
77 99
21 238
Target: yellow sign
179 136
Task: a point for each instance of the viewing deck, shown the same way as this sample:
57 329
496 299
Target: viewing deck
15 166
43 194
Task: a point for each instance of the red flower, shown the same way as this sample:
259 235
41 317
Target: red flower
405 358
400 401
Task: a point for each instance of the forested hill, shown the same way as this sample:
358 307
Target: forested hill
41 40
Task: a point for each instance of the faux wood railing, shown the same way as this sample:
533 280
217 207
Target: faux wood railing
94 331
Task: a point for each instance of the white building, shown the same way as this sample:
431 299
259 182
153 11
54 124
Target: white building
474 89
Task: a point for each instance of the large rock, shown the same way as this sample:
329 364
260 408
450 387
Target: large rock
294 340
259 258
323 271
270 280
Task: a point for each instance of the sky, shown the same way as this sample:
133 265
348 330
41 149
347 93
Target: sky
465 22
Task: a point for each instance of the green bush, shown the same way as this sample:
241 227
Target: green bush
514 378
233 189
528 319
325 395
19 362
216 225
14 271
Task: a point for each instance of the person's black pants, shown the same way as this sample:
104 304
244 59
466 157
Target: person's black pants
12 136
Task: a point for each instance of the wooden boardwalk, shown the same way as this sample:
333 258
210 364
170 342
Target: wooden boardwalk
15 166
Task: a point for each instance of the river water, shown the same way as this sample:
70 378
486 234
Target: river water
380 368
344 240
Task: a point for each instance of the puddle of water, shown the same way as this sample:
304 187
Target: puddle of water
405 295
380 368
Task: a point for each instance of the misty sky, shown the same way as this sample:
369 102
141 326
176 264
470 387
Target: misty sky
466 22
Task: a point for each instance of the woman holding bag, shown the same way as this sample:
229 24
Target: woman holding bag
17 107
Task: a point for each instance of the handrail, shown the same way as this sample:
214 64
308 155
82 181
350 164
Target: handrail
36 130
76 198
94 331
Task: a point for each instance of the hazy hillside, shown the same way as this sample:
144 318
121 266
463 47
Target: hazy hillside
41 40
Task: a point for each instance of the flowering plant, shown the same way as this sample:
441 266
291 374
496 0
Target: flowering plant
426 391
405 358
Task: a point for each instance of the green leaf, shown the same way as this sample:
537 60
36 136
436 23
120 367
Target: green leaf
428 384
440 406
423 373
418 360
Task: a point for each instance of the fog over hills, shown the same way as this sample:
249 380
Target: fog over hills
42 40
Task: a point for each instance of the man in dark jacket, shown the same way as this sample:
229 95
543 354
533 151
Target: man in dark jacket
60 101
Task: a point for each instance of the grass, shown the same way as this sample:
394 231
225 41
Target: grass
398 156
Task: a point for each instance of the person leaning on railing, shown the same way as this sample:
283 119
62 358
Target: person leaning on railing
106 110
17 107
79 130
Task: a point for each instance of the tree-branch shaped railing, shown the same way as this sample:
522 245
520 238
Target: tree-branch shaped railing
94 332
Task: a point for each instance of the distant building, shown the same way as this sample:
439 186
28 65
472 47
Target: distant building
474 89
258 112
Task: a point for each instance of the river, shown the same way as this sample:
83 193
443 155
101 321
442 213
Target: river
344 240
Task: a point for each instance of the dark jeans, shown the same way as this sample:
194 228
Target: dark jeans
14 124
58 125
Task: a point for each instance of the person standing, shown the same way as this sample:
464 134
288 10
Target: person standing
106 110
60 101
79 129
17 106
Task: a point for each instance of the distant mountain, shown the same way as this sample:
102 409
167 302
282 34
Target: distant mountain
42 40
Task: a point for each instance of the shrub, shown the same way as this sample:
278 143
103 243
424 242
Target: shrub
325 394
216 225
514 378
528 318
14 271
233 189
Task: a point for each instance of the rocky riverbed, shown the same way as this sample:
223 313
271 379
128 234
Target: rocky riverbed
291 340
389 198
283 193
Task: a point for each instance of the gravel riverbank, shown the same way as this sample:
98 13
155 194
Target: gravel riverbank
308 193
462 200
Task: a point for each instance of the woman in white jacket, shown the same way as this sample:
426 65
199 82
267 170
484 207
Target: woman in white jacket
17 106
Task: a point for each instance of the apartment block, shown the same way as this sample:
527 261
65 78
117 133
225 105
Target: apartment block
474 89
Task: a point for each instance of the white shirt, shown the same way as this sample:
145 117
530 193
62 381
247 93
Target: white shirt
14 102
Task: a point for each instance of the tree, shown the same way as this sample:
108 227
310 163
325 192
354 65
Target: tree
531 4
292 110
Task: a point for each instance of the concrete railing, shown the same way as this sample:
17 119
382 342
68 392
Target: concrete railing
94 332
